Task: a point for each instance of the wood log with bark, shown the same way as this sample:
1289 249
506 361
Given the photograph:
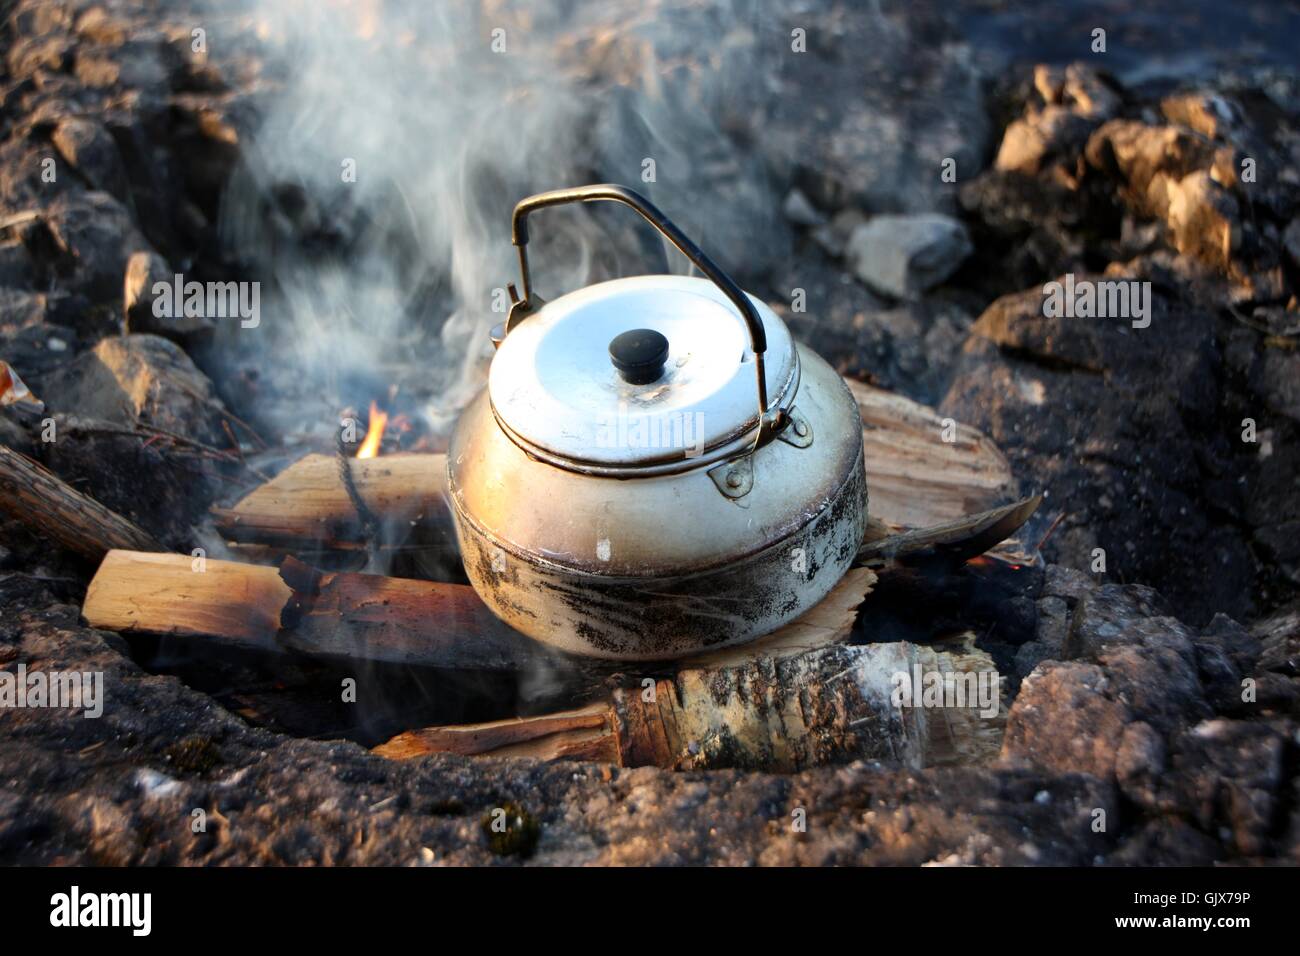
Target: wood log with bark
35 496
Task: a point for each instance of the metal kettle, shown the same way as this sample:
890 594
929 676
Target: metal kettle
655 467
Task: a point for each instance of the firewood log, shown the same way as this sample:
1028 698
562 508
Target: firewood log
51 508
358 617
307 505
916 477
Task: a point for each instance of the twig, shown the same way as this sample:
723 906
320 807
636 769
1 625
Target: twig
1048 533
223 411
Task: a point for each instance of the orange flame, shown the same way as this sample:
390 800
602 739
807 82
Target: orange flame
374 434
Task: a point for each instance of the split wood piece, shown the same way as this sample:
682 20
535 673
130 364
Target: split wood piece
915 478
357 617
307 505
33 495
588 733
399 621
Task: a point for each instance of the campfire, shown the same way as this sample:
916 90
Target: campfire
281 609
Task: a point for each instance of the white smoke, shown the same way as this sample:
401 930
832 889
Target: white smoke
448 113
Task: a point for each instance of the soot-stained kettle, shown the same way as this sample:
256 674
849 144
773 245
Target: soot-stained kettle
655 467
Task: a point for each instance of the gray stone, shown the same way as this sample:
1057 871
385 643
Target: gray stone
903 256
800 210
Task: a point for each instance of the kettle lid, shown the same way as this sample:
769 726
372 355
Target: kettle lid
637 372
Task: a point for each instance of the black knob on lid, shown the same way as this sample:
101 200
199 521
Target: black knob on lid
639 355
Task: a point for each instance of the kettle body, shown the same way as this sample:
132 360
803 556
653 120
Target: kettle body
623 488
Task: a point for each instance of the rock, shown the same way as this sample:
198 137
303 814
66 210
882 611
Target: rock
1051 631
1220 677
29 55
1241 646
1038 139
1140 762
162 487
1197 188
88 148
1143 156
916 104
1279 641
1143 474
1210 114
143 270
36 349
19 310
1049 138
1292 241
907 348
800 210
1024 228
1088 94
1279 381
1119 615
1067 584
833 236
1168 841
903 256
1078 88
1229 773
1067 718
93 237
136 63
97 26
144 380
1202 216
1149 656
14 435
15 265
